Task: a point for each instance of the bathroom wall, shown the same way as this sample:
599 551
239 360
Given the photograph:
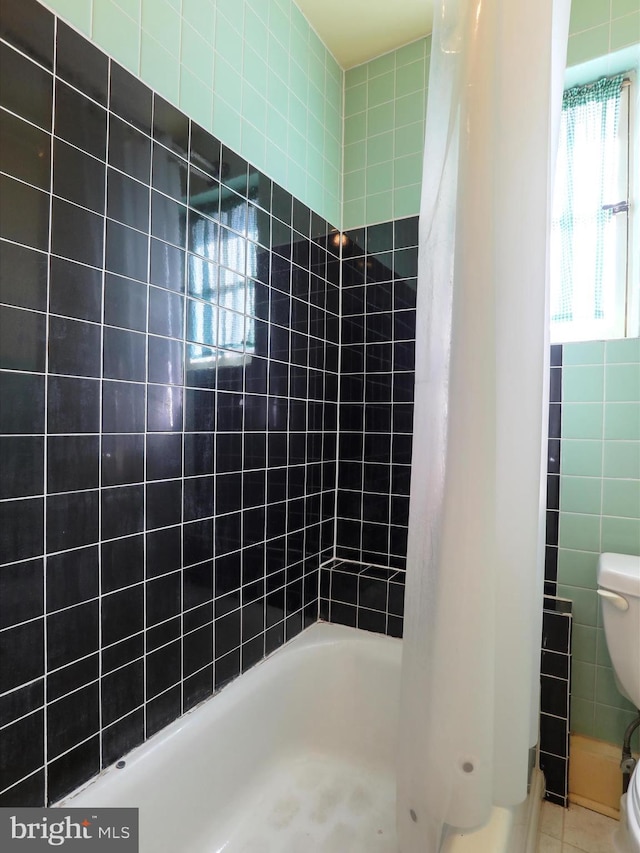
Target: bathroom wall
385 111
168 410
599 511
253 72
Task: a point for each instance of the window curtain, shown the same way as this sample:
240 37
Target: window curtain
586 180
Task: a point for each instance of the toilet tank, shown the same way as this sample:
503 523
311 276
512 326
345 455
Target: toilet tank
619 589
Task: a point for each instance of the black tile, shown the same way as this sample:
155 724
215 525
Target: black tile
81 63
21 403
80 121
73 405
205 150
169 173
24 213
122 614
164 551
555 775
162 598
227 633
168 220
18 703
405 232
23 277
72 676
129 150
198 542
74 347
122 691
25 151
556 632
22 653
83 452
22 466
281 204
72 719
198 498
555 386
72 578
127 200
122 562
197 650
371 620
77 177
554 696
25 88
167 266
130 98
123 407
72 520
121 737
163 669
22 340
166 313
122 511
163 710
21 529
75 290
124 355
164 456
72 769
556 355
170 126
164 408
228 530
166 361
198 454
126 252
22 587
21 749
125 303
29 26
122 459
72 634
28 792
164 503
76 233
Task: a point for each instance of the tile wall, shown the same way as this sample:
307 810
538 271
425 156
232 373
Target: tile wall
253 72
168 411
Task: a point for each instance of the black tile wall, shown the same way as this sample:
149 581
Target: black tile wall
168 410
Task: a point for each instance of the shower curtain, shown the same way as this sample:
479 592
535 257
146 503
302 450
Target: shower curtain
469 698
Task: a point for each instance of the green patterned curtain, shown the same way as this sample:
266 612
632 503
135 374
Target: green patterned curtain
586 179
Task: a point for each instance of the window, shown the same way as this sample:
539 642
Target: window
590 228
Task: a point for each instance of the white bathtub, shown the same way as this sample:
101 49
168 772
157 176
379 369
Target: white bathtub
297 756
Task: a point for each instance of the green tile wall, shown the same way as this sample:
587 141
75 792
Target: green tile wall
253 72
599 511
385 111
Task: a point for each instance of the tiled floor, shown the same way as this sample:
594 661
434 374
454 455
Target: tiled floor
574 830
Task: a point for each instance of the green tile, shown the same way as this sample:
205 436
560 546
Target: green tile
277 128
621 498
355 99
623 7
379 178
131 7
226 123
381 65
583 643
255 70
116 33
227 82
277 93
381 90
621 459
583 384
380 119
411 52
75 12
253 145
607 692
622 382
585 604
410 108
624 31
297 148
624 350
197 56
610 723
589 44
582 717
298 114
581 494
410 78
355 76
582 420
297 177
585 15
379 208
410 140
622 420
583 680
407 170
201 15
581 457
276 163
406 201
278 58
299 81
603 658
579 532
354 213
379 148
621 535
355 128
162 22
196 99
228 41
159 68
588 352
254 107
577 568
233 11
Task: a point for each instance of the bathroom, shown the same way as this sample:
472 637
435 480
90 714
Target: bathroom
170 493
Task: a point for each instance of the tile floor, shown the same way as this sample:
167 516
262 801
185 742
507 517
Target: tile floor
574 830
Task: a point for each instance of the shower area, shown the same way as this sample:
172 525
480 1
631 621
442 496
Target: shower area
226 365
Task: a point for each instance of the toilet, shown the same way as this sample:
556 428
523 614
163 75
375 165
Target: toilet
619 590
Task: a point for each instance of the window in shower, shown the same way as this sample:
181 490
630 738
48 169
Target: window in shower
590 280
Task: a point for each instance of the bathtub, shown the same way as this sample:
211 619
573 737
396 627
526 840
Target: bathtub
297 756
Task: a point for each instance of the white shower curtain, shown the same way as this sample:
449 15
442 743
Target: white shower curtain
471 652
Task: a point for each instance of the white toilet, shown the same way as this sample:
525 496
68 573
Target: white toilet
619 589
